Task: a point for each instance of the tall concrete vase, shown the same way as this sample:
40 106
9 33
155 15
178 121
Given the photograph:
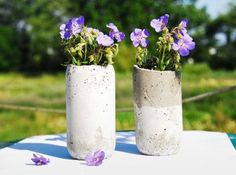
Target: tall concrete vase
90 109
158 111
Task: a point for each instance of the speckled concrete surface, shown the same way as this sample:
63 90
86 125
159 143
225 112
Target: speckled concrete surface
90 109
158 111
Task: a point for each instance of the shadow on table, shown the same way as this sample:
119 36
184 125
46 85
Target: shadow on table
123 145
59 137
127 148
44 148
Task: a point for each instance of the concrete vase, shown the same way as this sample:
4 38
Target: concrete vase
90 110
158 111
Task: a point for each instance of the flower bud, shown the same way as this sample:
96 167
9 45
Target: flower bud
91 58
72 50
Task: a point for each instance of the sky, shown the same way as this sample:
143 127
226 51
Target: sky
215 7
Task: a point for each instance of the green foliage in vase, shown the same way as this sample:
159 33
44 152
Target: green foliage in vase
170 45
89 46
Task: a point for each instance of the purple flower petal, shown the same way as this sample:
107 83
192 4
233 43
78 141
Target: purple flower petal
132 36
120 36
114 33
190 45
80 20
40 160
111 34
183 45
104 40
136 43
155 24
184 23
100 154
62 33
95 159
144 42
68 24
181 30
67 34
145 33
112 27
65 30
138 37
183 51
160 23
137 31
175 46
72 27
187 38
62 27
77 25
165 19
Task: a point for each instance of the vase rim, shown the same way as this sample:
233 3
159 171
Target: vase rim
153 71
92 65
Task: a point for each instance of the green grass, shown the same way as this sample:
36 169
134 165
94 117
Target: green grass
216 113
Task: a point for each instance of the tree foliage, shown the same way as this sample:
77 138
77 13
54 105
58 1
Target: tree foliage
30 28
225 25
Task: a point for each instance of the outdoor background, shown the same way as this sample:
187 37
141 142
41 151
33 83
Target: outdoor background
31 58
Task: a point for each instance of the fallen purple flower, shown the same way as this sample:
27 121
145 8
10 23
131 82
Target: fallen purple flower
184 45
160 23
40 160
104 40
139 37
95 159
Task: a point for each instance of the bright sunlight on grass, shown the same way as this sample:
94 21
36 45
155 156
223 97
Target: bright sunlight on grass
214 113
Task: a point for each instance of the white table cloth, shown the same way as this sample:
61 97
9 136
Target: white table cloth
202 153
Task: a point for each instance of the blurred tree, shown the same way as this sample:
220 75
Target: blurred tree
225 26
33 41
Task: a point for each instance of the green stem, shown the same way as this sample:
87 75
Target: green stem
162 67
85 52
146 52
159 61
73 58
100 55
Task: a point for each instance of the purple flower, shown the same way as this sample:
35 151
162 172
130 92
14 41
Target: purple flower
95 159
115 33
160 23
183 23
77 25
40 160
182 26
184 45
104 40
66 30
72 27
138 37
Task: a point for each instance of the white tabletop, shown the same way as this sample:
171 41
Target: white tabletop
201 153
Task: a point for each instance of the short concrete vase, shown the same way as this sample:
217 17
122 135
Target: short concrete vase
158 111
90 110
